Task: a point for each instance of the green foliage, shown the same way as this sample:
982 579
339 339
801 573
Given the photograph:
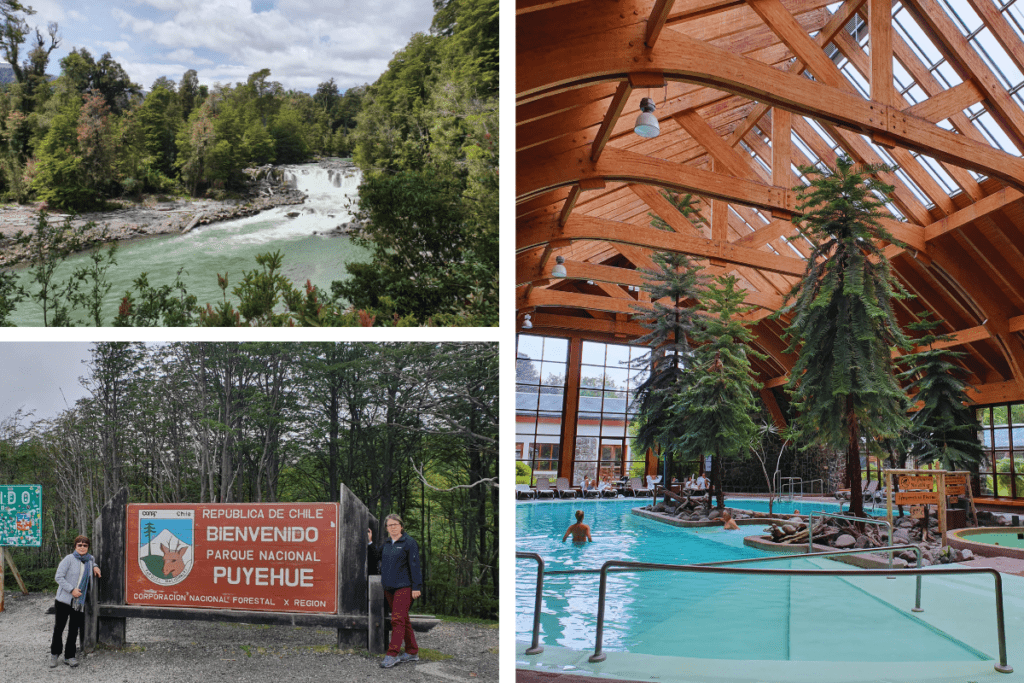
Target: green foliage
672 287
48 246
718 404
842 323
944 428
11 294
168 305
414 224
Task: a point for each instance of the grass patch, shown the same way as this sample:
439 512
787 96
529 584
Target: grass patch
485 623
428 655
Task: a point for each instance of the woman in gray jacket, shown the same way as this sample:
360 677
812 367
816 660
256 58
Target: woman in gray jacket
73 579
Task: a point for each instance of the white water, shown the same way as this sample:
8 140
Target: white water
231 246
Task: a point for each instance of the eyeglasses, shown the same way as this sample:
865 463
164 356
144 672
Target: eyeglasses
393 524
81 545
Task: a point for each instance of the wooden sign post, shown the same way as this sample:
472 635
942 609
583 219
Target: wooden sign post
919 488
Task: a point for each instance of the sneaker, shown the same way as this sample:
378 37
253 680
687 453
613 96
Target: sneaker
388 662
53 661
71 662
406 657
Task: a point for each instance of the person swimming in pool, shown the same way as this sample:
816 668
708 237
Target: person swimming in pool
728 522
580 531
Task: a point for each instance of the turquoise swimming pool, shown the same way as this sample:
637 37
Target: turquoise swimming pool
703 615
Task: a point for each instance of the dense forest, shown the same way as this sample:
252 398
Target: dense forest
409 428
425 136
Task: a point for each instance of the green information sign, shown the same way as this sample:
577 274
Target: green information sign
21 515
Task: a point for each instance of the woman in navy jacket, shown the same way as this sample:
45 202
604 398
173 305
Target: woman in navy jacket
402 580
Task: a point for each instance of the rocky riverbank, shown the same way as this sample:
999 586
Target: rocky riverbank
159 215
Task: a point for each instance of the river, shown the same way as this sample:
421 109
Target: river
231 247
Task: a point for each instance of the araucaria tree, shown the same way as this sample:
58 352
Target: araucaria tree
842 323
717 405
944 428
673 288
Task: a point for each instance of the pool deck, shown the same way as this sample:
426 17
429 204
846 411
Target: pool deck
972 621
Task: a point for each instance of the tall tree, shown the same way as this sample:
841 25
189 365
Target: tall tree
842 323
674 288
944 427
718 405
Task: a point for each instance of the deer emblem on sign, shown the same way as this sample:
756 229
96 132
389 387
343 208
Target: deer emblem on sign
174 562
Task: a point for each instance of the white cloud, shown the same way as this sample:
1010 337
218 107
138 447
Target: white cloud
303 42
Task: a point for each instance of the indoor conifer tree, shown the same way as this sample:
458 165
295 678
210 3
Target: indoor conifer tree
842 324
673 286
718 403
944 428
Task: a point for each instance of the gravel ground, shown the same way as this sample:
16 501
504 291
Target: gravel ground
206 652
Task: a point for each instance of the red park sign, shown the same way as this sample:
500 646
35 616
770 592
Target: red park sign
276 557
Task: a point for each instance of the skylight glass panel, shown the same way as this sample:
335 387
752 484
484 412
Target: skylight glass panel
916 94
997 59
821 131
907 27
914 189
852 75
994 133
936 171
947 75
944 123
1015 15
963 17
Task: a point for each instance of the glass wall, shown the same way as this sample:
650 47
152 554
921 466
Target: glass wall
603 436
541 372
1002 438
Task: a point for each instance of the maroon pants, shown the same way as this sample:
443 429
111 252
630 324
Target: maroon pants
401 628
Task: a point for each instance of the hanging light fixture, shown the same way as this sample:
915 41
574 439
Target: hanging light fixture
647 123
559 269
527 325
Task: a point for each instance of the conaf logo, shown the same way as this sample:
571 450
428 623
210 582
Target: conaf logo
165 549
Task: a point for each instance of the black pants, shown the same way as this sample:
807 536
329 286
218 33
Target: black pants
77 623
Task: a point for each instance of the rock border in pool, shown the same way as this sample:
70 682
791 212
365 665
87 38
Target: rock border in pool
869 559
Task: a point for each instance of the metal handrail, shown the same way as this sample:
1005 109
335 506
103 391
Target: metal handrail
599 656
868 520
535 648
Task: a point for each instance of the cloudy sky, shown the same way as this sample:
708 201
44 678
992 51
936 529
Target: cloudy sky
302 42
34 375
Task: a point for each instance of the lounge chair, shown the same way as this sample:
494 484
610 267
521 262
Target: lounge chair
563 488
653 483
637 487
594 492
844 494
607 490
524 491
544 487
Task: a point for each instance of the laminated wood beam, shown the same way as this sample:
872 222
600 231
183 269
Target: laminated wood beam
962 57
996 392
971 213
834 26
656 21
880 27
611 117
588 228
727 159
540 298
618 165
582 59
618 328
946 103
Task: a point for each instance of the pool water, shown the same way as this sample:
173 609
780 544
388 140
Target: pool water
703 615
1006 539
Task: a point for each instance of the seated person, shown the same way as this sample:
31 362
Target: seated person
580 531
728 522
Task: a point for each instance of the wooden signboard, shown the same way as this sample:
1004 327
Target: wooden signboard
908 483
279 557
953 500
917 498
956 490
917 512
